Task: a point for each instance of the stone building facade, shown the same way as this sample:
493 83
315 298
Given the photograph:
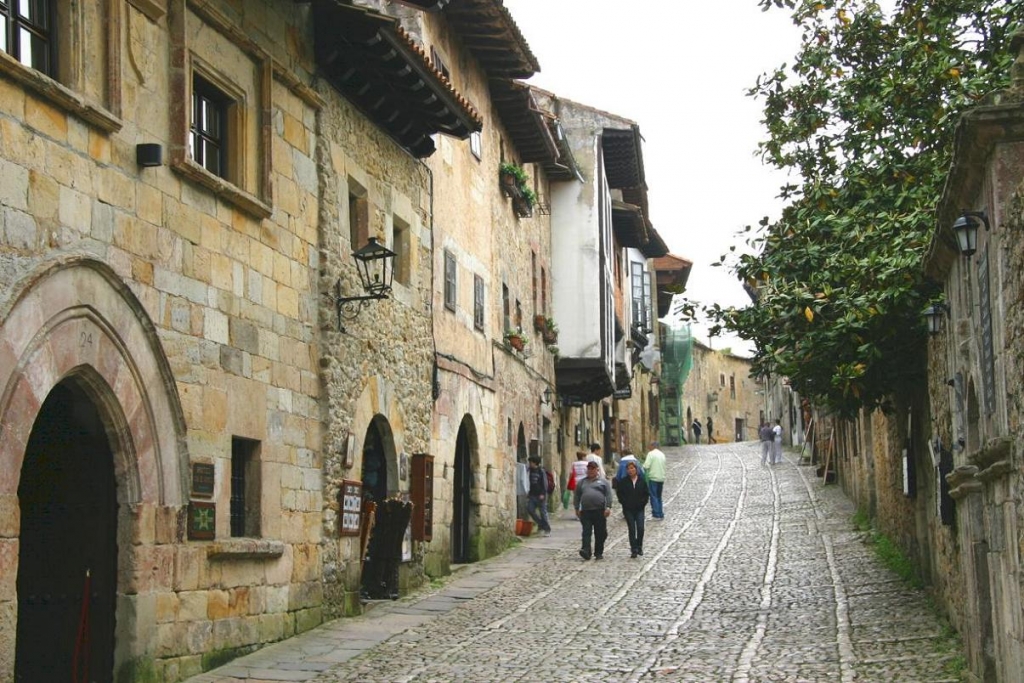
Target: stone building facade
159 338
198 401
941 473
719 386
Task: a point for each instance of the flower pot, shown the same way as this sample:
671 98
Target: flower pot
516 343
550 337
524 527
540 323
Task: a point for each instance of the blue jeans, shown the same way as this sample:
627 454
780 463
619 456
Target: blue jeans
594 523
534 503
635 525
655 488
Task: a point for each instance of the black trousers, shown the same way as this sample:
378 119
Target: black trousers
594 524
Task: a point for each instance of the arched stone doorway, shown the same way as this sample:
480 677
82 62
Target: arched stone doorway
522 453
67 560
464 512
383 545
78 348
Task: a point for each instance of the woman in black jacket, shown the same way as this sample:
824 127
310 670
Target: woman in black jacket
633 496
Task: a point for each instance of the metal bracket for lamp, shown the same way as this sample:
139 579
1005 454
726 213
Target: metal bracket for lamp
349 307
376 270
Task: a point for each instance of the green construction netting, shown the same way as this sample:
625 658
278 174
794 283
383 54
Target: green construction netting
676 362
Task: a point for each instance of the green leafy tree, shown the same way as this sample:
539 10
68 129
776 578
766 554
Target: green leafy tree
863 121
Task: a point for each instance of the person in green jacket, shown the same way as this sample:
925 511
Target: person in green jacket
654 465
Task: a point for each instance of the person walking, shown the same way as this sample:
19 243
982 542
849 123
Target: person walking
633 495
593 504
696 430
711 430
654 463
777 442
766 437
537 496
579 468
595 457
620 471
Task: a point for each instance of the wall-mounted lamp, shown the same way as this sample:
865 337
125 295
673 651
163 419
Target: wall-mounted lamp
551 398
933 315
966 230
375 264
148 154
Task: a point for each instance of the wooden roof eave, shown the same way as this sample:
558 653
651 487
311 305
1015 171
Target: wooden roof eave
488 30
371 60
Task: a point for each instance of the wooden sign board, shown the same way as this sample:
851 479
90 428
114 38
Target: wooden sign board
202 479
351 496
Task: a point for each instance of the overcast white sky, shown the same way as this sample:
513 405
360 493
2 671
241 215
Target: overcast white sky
680 69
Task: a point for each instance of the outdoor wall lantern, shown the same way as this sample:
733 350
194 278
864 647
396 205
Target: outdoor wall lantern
966 230
933 315
375 264
551 398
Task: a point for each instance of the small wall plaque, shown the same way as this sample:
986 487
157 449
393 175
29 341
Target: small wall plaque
202 516
351 507
202 479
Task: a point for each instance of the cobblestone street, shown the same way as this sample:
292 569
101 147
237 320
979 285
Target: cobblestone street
756 574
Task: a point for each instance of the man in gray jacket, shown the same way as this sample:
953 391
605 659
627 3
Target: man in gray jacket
593 504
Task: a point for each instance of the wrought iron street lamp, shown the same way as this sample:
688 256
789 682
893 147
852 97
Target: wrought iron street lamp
966 230
933 315
375 264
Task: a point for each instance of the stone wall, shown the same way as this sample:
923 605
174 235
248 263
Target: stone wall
380 365
708 391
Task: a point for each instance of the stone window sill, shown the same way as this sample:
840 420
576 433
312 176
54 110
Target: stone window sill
222 188
58 95
244 549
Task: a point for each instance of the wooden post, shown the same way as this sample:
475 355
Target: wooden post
828 455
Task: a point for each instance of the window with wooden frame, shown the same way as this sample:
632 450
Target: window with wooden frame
478 302
449 280
27 33
358 215
209 136
401 244
476 145
543 291
246 488
221 141
65 54
533 281
506 307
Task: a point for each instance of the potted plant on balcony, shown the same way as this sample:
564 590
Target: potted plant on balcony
516 339
550 331
513 179
523 204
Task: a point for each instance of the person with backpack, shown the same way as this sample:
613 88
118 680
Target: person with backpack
537 495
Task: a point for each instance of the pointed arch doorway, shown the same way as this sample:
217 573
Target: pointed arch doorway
67 560
463 509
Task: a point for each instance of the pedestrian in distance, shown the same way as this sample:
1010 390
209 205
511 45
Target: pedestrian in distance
711 430
537 496
766 437
595 457
654 464
633 495
593 504
696 430
777 442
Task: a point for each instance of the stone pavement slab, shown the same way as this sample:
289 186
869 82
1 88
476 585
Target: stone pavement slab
756 574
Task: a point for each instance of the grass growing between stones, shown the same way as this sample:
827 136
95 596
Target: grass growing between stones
949 643
887 551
